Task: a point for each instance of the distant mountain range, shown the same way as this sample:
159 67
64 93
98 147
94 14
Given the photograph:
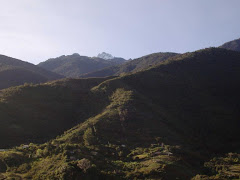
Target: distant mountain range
76 65
145 62
14 72
107 65
132 65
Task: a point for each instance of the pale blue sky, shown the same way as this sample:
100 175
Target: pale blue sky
35 30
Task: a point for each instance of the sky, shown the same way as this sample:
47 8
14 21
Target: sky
36 30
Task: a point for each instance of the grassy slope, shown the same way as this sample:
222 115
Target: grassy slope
35 113
162 123
76 65
225 167
200 90
132 66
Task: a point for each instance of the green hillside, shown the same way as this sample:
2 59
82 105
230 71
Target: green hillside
15 72
76 65
132 66
173 121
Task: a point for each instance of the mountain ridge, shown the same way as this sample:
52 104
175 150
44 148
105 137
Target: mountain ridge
16 72
132 65
76 65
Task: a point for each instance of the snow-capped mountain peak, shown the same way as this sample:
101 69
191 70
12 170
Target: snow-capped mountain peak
105 56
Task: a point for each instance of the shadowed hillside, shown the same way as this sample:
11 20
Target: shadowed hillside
36 113
166 122
76 65
232 45
132 66
15 72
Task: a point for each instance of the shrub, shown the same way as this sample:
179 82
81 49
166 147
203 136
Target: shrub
24 168
88 137
84 164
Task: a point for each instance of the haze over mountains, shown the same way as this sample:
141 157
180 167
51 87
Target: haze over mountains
161 116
